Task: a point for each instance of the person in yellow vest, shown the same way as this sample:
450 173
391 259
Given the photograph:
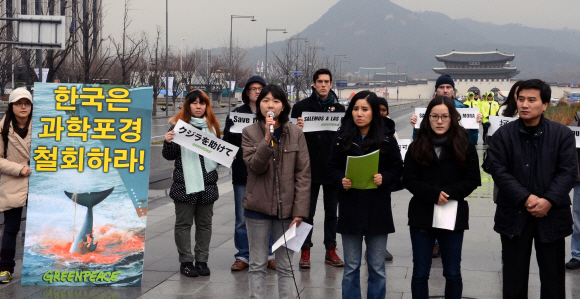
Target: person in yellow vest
488 107
471 101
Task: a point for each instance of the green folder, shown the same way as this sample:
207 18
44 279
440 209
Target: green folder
361 170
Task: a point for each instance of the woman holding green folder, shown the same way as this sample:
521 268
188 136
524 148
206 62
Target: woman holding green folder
365 213
441 165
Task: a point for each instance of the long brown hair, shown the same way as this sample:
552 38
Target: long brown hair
11 118
185 113
423 144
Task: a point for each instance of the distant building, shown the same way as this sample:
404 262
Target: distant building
477 65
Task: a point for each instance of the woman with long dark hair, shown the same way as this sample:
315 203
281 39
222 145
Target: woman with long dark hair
14 160
278 188
509 108
194 188
441 165
365 214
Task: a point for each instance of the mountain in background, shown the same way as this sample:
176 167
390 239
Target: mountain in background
374 32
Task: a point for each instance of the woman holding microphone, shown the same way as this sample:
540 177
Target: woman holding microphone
278 187
441 165
365 213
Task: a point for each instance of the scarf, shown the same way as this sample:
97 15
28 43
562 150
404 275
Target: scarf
439 141
326 103
192 172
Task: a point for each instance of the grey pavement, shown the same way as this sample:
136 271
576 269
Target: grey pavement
481 263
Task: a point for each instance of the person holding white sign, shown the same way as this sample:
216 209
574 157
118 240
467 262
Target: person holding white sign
194 189
278 188
444 86
365 214
323 100
441 169
250 95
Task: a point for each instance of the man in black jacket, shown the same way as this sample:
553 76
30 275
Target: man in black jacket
240 175
533 164
323 99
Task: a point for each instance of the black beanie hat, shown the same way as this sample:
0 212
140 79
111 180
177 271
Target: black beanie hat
444 79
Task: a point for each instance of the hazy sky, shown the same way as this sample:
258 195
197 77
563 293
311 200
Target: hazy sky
207 23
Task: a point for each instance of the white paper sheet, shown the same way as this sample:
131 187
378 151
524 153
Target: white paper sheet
295 237
444 216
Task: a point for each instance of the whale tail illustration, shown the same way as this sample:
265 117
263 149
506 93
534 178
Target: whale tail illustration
83 242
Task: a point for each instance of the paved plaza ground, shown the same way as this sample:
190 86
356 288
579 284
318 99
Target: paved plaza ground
481 264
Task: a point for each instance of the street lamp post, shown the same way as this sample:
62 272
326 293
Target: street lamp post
387 77
166 57
337 55
231 32
297 39
267 30
340 75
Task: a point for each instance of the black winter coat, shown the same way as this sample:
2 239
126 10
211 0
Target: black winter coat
239 169
366 212
445 174
172 151
544 165
318 142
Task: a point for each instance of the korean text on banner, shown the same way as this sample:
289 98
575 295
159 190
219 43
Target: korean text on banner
496 122
241 120
87 204
404 146
576 131
204 144
468 117
362 169
321 121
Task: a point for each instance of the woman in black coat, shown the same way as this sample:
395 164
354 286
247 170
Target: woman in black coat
440 165
364 213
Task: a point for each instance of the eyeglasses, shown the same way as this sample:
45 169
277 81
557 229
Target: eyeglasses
258 89
23 104
444 117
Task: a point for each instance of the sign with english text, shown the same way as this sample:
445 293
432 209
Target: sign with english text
576 131
468 117
322 121
241 120
204 144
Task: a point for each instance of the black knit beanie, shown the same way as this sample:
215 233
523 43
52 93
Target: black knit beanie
444 79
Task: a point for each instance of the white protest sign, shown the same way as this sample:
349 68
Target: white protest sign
404 146
294 121
241 120
420 115
204 144
321 121
576 131
294 237
496 122
468 117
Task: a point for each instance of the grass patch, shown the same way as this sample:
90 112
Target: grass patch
561 114
157 142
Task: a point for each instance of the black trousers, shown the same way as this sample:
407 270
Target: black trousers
516 264
12 220
330 192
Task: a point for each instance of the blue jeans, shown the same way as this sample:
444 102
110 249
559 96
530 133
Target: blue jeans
575 241
241 233
450 243
376 253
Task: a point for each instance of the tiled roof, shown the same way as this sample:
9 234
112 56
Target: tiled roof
492 56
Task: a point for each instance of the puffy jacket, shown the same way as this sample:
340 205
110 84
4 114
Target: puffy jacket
318 142
13 187
473 103
488 108
366 212
445 174
293 169
239 170
544 165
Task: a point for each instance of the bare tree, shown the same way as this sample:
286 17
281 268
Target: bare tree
153 67
129 49
241 70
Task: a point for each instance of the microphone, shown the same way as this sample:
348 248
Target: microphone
270 114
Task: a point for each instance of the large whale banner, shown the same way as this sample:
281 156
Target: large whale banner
87 198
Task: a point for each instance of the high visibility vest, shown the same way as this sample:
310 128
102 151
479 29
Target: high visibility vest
487 109
472 103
